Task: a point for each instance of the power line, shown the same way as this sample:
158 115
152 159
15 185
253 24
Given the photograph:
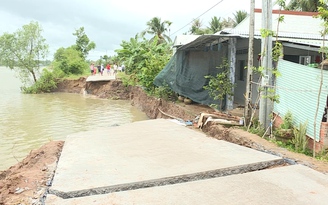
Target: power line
289 89
197 17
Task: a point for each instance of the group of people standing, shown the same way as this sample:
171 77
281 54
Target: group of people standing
100 69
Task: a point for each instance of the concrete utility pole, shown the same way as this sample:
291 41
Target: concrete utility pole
266 57
232 64
248 97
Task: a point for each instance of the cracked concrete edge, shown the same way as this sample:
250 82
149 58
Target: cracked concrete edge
168 180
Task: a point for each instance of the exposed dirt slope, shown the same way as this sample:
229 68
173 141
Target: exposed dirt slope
152 107
26 182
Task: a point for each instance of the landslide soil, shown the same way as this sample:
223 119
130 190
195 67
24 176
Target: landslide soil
27 181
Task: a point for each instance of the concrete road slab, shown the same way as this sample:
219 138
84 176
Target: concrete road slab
293 185
98 77
144 154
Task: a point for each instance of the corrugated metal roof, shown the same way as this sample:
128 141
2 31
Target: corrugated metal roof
294 26
184 39
316 43
207 39
287 37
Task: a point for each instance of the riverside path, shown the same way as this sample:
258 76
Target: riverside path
158 162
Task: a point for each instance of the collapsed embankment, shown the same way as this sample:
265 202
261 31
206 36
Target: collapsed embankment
153 106
116 90
26 182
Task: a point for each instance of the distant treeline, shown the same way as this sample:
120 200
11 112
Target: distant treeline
42 63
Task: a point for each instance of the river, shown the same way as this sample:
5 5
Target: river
29 121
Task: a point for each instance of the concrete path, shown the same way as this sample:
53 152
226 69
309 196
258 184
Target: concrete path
160 162
99 77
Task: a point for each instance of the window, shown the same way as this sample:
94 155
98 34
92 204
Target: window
304 60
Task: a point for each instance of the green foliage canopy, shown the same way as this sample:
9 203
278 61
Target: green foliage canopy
239 16
215 25
46 83
69 61
23 50
220 85
83 43
306 5
158 29
144 59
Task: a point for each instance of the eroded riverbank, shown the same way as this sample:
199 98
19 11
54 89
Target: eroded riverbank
151 106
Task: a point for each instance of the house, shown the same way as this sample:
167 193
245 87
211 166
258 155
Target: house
297 87
182 40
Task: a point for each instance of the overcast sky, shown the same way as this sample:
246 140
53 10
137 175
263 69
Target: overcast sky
108 22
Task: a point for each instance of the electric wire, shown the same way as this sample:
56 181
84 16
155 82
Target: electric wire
197 17
289 89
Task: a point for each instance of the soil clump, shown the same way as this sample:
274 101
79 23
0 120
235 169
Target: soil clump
27 182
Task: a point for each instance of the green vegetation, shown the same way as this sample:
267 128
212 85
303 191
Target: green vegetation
144 59
69 61
306 5
299 140
287 121
157 28
256 127
23 51
220 86
239 16
83 43
216 24
165 93
288 136
46 83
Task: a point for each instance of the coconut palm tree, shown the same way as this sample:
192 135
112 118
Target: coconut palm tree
305 5
196 27
239 16
158 28
215 25
227 23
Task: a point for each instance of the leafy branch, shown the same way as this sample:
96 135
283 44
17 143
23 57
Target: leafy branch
220 85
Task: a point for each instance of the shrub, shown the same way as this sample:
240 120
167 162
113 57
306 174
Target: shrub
287 121
299 140
45 84
69 61
220 85
165 92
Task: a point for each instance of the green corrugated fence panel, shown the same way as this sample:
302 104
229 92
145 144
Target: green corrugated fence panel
298 88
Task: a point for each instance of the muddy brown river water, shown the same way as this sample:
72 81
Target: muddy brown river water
29 121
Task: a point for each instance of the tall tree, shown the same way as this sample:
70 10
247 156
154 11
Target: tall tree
158 28
227 23
196 27
131 53
305 5
69 61
239 16
215 25
106 58
83 43
23 50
